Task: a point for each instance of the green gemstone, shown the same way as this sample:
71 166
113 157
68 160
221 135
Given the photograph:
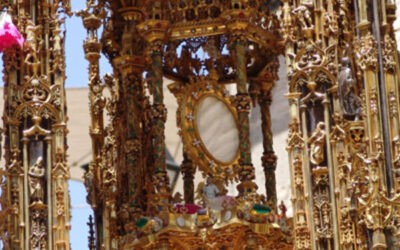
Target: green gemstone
141 222
261 209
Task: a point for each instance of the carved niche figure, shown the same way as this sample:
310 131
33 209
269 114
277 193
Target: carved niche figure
349 101
311 57
313 100
33 45
58 37
304 16
213 195
331 23
210 190
36 181
317 144
31 34
57 40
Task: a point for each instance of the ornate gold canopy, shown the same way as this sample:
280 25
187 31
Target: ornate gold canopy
343 141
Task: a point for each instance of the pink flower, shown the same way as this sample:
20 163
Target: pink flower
9 33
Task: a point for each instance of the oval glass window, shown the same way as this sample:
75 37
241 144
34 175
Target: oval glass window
217 129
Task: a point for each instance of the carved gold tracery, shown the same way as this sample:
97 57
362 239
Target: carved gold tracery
35 190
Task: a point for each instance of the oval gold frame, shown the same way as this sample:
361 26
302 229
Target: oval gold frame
189 96
197 132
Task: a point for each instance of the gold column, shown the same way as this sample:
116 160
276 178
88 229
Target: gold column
307 177
367 61
303 232
246 173
25 204
154 33
50 197
331 175
133 165
131 97
13 153
368 56
188 170
390 62
269 159
159 116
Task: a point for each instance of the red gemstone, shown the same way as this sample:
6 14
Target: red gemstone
241 15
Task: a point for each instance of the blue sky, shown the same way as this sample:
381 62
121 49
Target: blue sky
80 213
77 66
